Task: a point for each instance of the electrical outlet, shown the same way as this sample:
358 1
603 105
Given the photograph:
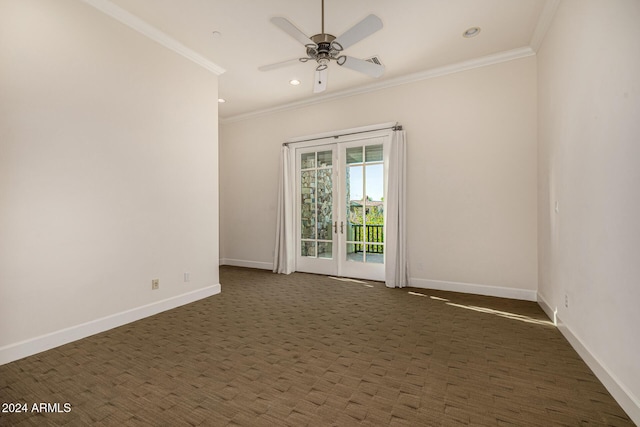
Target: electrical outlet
566 301
155 284
187 277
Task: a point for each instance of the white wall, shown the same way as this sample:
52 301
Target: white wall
471 174
108 172
589 162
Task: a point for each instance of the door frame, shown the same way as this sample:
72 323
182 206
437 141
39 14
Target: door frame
327 266
347 268
338 142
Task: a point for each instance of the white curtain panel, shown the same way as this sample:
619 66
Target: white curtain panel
284 254
396 262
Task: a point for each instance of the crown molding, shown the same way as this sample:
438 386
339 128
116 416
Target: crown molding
132 21
483 61
544 22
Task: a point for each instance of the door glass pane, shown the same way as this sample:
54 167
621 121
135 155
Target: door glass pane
374 203
375 183
365 204
374 206
325 204
354 210
308 160
308 204
355 253
325 158
355 183
375 254
373 153
356 231
325 250
308 249
354 155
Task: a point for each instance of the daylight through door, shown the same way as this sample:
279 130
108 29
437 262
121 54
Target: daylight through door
340 207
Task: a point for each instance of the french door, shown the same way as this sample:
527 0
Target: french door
341 193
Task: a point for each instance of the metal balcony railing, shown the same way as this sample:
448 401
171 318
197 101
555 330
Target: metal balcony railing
369 235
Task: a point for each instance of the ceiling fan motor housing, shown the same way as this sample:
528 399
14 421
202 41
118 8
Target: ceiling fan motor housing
323 45
322 38
324 49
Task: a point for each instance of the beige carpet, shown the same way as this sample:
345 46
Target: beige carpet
274 350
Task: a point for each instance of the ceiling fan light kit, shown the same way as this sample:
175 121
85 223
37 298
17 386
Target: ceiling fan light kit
324 48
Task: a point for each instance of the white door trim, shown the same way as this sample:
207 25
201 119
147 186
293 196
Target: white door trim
375 271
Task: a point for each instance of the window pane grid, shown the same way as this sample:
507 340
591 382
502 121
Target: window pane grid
365 204
316 215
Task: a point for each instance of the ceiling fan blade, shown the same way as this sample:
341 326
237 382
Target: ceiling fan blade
366 67
280 64
361 30
320 83
292 30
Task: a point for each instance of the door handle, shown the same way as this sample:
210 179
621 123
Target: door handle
335 227
341 227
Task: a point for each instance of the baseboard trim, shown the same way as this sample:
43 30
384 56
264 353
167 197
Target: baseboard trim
552 314
248 264
472 288
629 403
51 340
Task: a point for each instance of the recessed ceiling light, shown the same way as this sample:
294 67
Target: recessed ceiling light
294 82
471 32
222 100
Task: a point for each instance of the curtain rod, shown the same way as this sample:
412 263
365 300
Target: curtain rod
395 127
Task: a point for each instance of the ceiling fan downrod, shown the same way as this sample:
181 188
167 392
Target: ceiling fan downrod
324 48
322 16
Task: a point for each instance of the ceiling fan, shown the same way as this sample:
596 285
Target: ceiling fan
324 48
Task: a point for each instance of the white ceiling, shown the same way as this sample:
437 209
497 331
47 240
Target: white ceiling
418 35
